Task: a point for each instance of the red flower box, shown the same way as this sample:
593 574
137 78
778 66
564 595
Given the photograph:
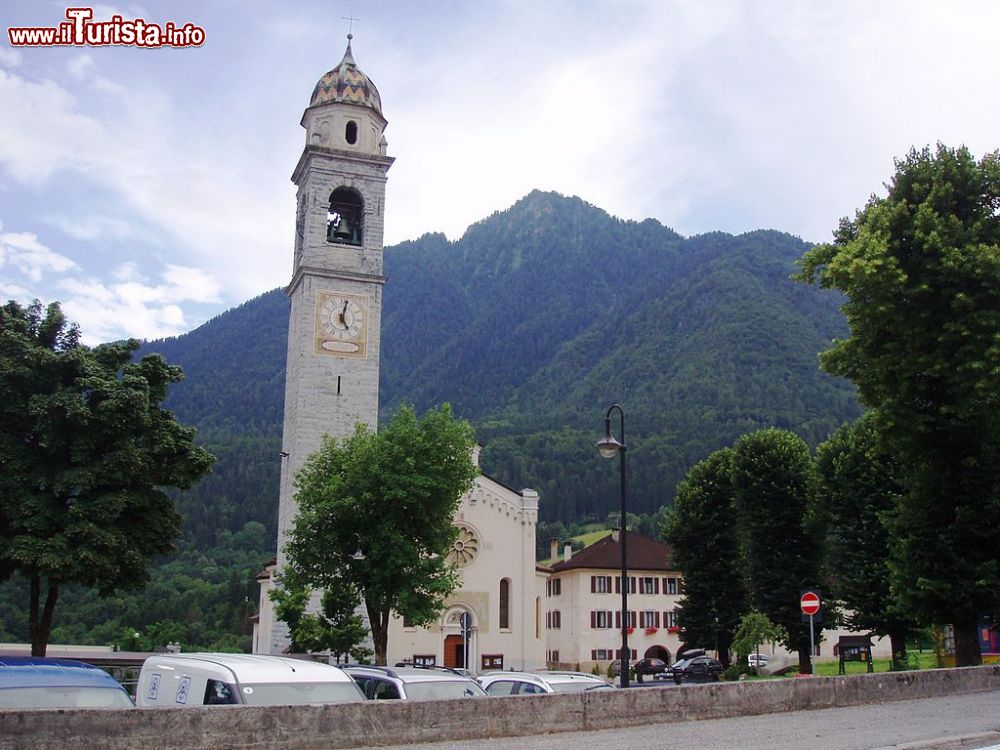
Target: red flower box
673 629
650 631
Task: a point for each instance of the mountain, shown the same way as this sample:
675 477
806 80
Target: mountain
530 325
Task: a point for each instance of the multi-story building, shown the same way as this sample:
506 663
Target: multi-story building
583 617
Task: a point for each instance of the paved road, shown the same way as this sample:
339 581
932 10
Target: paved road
929 724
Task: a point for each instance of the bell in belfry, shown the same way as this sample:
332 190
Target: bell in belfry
343 231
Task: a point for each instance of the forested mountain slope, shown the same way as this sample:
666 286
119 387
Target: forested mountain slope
531 324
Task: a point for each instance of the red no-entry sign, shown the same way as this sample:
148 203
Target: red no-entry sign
810 603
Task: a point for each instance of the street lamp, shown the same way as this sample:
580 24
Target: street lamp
608 447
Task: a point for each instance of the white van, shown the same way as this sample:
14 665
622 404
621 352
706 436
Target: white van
252 679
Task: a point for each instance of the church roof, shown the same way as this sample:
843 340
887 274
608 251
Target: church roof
644 553
347 84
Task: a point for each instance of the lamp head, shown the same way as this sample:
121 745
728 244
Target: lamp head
608 446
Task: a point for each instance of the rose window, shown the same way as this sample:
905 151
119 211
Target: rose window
465 547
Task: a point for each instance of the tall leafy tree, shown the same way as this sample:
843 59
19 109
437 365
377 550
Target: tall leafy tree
860 484
87 451
393 493
921 270
701 528
774 481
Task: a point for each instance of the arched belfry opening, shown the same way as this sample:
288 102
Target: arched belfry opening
344 217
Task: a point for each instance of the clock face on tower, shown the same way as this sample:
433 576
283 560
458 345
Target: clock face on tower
342 324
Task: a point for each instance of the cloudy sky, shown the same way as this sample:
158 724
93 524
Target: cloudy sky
148 190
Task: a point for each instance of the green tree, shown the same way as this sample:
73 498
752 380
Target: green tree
921 271
87 451
859 488
754 629
336 627
701 528
395 493
774 478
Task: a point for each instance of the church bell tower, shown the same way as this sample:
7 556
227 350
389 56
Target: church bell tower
336 288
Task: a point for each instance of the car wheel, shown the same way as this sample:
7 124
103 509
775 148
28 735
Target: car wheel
677 679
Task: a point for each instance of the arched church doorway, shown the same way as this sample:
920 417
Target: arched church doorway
657 652
459 641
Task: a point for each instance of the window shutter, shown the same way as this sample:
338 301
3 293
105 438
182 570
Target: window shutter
631 584
593 584
657 620
618 619
656 585
593 619
607 586
618 584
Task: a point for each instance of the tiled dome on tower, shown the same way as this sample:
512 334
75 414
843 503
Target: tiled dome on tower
347 84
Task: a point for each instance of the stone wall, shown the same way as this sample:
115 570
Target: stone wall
392 722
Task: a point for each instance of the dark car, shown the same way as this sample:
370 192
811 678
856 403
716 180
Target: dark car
696 668
649 667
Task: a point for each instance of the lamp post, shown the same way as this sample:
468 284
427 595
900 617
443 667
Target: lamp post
608 447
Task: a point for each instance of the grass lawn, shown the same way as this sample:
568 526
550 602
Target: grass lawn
919 660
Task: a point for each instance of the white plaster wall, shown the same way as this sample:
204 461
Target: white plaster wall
504 522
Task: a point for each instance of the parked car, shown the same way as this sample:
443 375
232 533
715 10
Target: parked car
650 668
757 660
700 668
412 683
642 668
36 682
543 681
254 679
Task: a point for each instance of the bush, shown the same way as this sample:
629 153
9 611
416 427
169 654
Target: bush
734 671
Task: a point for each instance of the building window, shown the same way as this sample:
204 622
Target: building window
505 604
538 618
671 586
554 620
552 656
631 618
600 584
618 584
424 660
351 132
492 661
600 619
670 618
556 586
647 585
649 619
602 654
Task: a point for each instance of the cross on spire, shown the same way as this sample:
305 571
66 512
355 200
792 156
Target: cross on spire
350 19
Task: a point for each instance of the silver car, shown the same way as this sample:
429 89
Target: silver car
412 683
536 683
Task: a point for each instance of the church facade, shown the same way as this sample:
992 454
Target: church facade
332 381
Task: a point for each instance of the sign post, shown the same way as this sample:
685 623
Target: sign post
466 622
811 602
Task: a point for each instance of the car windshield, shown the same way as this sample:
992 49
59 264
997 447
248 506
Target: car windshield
299 693
682 663
65 697
422 691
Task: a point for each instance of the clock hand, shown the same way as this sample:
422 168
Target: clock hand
343 315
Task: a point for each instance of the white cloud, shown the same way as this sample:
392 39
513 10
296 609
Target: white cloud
10 58
83 68
91 227
24 253
192 192
132 308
